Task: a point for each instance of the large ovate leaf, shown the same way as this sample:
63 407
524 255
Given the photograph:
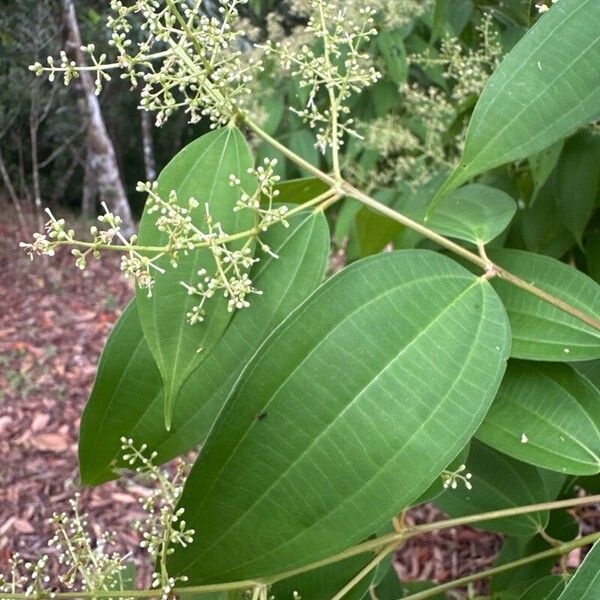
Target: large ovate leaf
201 170
498 482
475 213
546 87
541 331
346 414
546 415
585 584
127 396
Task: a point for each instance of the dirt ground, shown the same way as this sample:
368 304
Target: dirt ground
54 321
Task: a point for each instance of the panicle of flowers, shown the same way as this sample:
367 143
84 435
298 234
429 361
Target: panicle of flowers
182 57
400 12
178 222
414 144
230 276
451 479
87 564
163 527
467 69
134 265
29 578
335 63
261 200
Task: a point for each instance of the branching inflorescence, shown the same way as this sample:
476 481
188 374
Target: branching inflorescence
86 562
339 66
176 221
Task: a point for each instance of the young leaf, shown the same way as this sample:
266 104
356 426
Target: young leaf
546 87
539 330
474 213
346 414
498 482
201 170
546 415
127 396
585 584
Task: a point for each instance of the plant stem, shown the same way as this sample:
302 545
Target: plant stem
556 551
378 545
492 270
364 572
549 298
410 532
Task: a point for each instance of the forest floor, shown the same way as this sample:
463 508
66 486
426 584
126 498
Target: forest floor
53 324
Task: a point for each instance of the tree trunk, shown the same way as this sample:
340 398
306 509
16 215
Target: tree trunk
13 195
148 144
101 153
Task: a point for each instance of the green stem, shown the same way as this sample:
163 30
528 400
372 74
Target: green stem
376 545
556 551
345 188
546 297
364 572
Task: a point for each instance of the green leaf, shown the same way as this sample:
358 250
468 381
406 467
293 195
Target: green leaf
127 396
545 88
536 228
373 230
498 482
365 393
302 142
542 164
201 170
391 588
437 487
299 191
548 415
539 330
577 180
585 584
511 584
474 213
548 588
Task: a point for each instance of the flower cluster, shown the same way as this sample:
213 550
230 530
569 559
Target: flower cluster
182 57
467 70
87 565
163 526
450 479
415 143
108 236
177 221
26 577
335 63
86 562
